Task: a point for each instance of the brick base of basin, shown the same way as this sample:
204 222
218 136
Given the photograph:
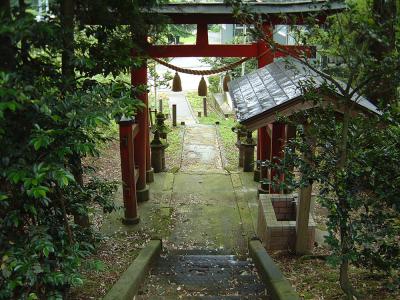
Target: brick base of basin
276 226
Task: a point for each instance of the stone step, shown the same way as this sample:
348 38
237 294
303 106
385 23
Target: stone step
152 297
202 275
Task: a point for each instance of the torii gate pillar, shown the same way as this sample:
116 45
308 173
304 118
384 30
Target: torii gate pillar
139 79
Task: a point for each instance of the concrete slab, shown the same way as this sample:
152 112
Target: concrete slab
223 103
201 135
184 111
201 151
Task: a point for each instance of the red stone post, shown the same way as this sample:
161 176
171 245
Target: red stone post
265 155
126 137
149 169
139 79
258 148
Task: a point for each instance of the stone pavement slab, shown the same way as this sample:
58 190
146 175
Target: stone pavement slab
184 111
201 151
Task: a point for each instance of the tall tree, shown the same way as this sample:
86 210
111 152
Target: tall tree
356 165
6 47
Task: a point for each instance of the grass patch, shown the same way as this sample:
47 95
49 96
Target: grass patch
173 151
195 101
160 96
228 139
189 40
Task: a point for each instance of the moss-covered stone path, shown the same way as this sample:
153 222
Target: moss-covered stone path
199 210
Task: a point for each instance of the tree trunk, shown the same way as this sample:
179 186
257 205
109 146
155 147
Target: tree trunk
67 60
345 283
77 171
68 85
304 205
343 210
7 49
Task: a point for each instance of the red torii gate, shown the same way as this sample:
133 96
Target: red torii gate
270 137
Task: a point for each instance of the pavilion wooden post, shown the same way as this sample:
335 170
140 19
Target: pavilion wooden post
278 140
139 78
265 153
256 176
290 134
304 204
127 132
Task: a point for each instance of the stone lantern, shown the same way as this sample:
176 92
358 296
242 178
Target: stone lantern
158 152
160 126
248 152
240 134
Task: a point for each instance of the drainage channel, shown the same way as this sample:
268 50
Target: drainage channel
202 274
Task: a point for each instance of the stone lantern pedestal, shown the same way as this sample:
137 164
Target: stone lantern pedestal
241 153
263 188
239 135
160 118
256 176
158 153
248 153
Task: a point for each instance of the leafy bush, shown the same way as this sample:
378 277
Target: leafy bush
57 104
40 246
214 82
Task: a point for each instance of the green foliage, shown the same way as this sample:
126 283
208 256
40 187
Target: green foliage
38 189
362 196
356 159
214 83
57 107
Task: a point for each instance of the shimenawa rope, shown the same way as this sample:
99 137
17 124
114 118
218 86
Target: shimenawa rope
207 72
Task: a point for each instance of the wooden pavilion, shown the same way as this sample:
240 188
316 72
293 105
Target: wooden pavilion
275 91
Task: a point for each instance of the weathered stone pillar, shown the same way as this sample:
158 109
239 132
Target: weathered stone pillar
205 106
158 153
174 115
263 188
240 133
241 153
248 153
160 126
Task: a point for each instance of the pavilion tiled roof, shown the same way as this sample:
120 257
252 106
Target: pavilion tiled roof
277 86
